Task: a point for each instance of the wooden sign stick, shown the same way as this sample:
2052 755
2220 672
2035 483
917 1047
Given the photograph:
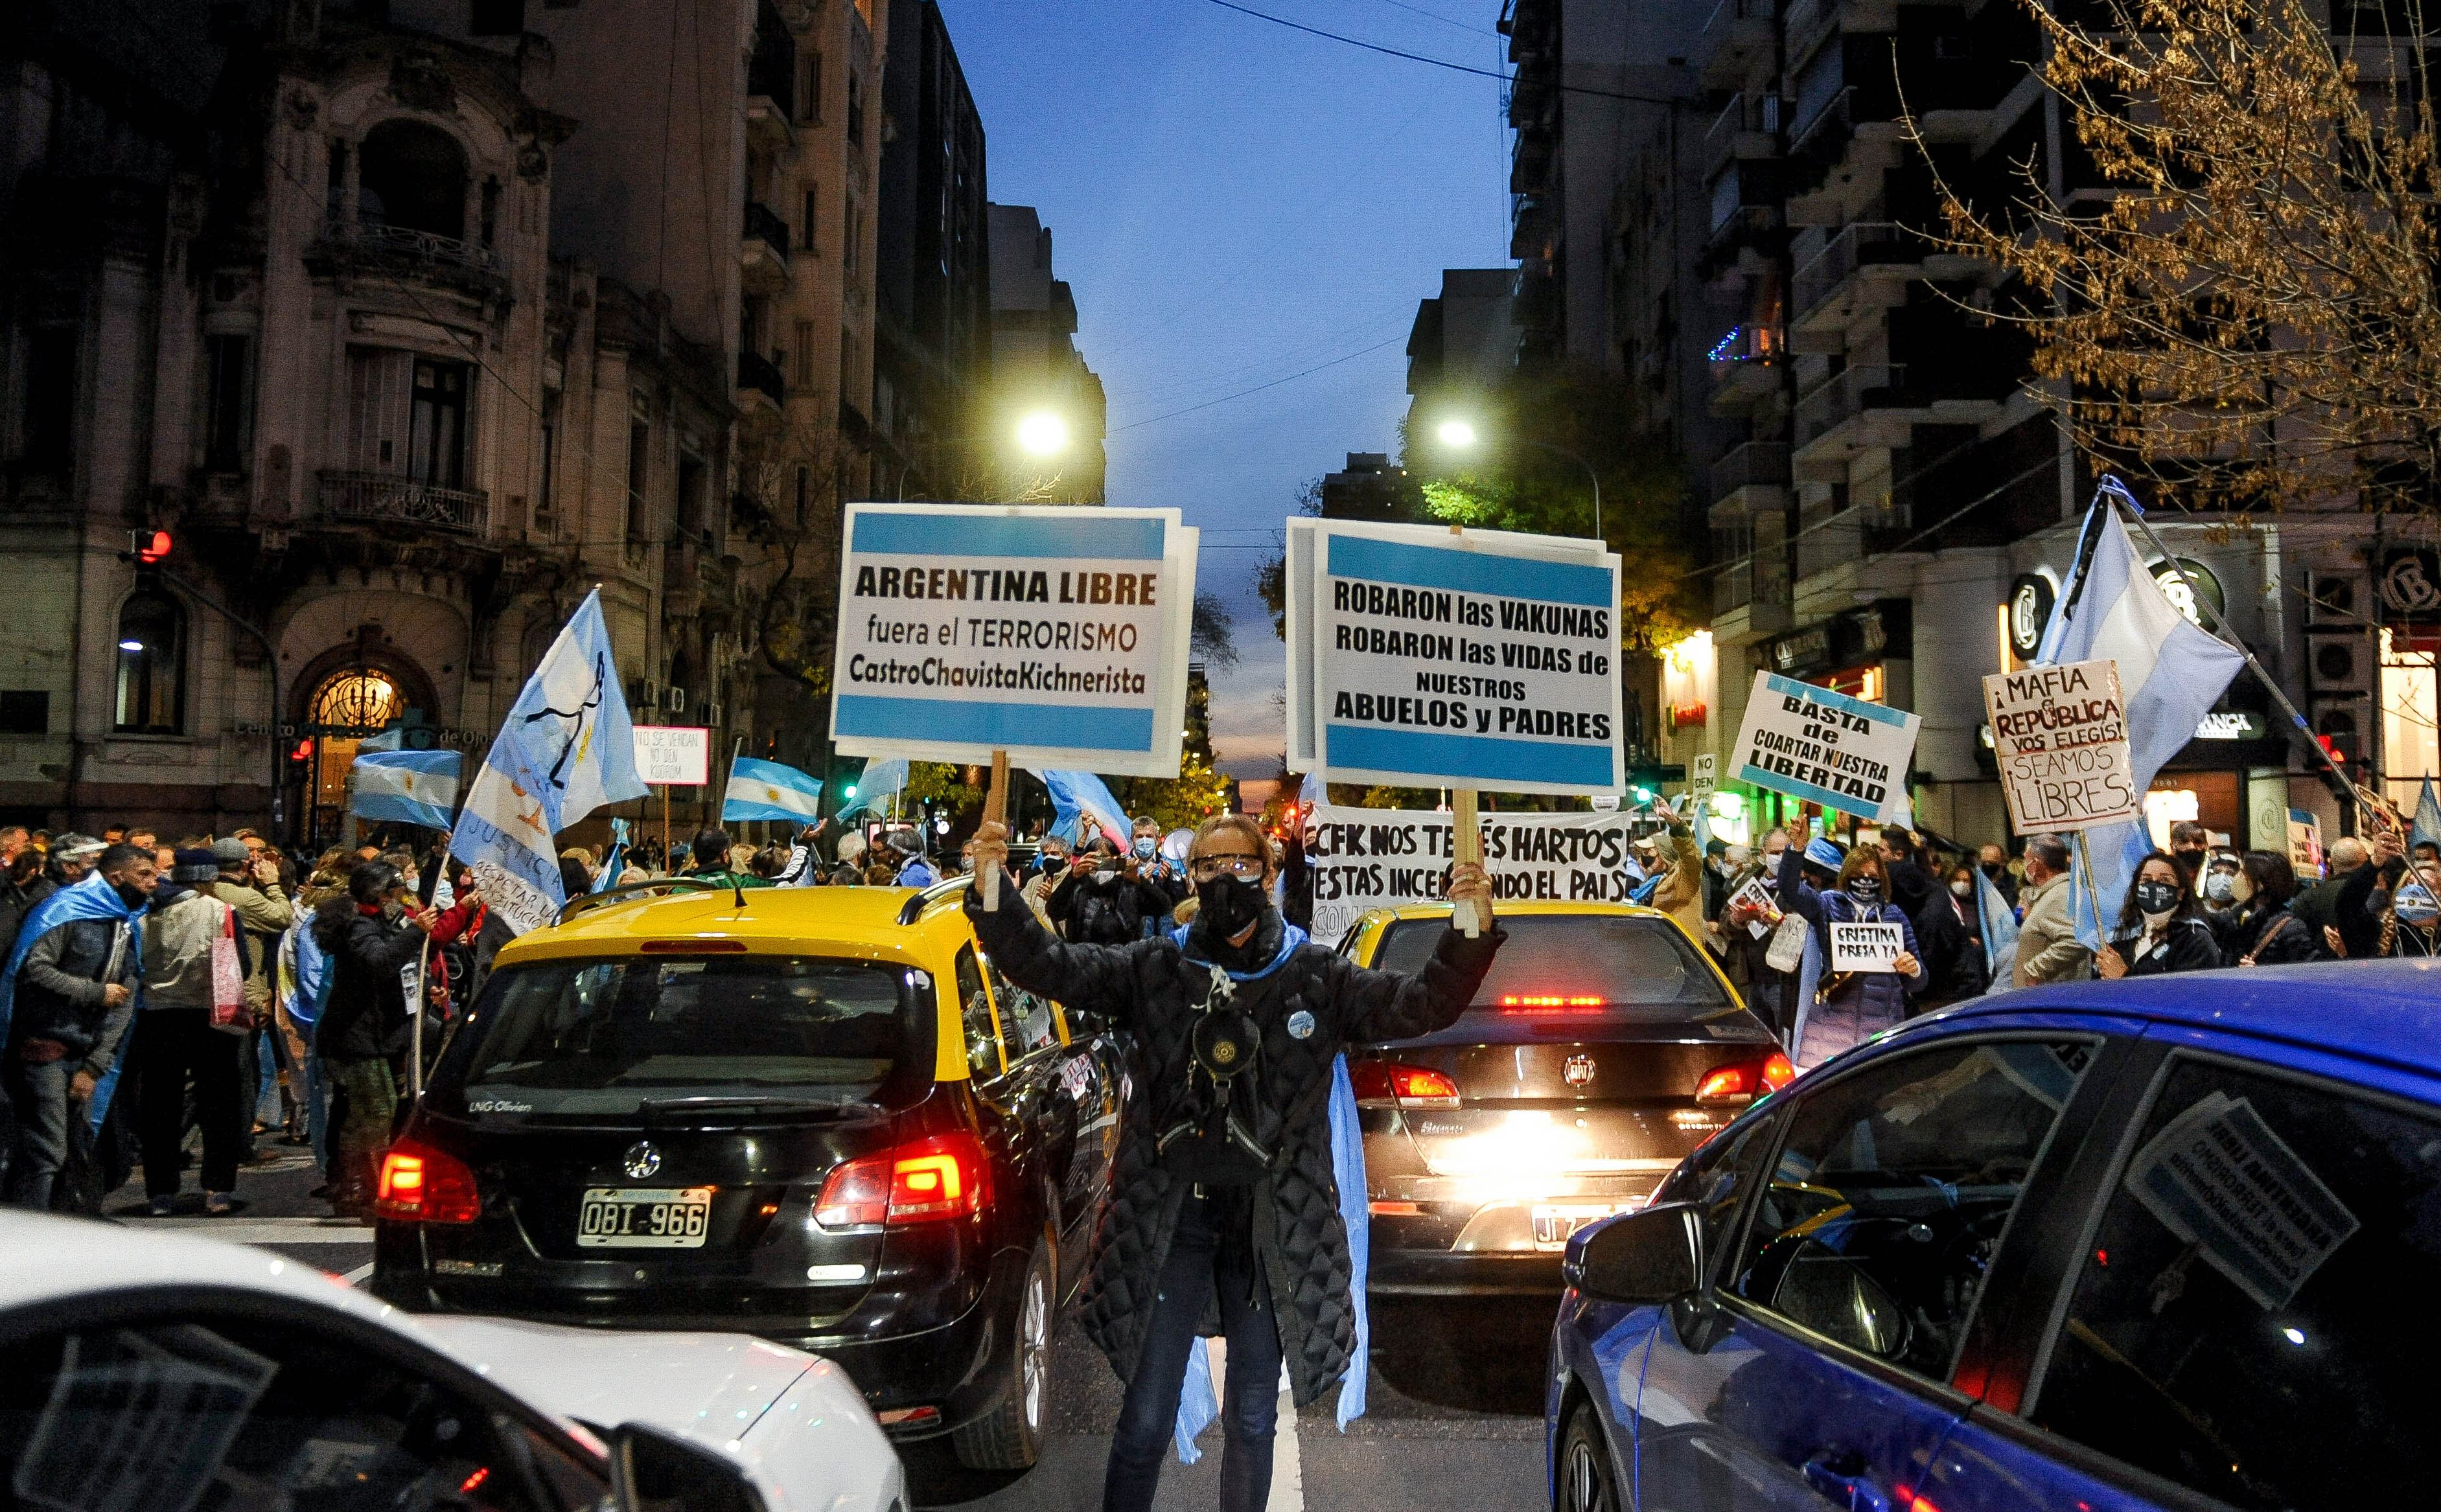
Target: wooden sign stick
996 812
1468 839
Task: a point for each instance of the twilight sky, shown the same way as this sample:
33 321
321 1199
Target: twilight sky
1235 203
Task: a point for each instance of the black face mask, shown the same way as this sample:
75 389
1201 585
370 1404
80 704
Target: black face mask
2155 897
1227 905
1994 868
1864 888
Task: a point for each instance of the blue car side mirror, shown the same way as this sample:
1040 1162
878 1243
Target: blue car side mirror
1650 1256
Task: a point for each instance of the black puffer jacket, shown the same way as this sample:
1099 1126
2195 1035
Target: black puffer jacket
1153 988
365 1016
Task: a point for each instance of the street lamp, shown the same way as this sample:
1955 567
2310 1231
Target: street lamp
1043 433
1460 435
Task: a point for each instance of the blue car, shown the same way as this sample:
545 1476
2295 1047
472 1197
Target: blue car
2168 1243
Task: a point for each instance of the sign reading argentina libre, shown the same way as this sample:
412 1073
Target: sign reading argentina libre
1055 633
1827 749
1486 660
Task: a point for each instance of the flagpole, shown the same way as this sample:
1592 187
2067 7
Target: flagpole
2219 629
1468 837
996 812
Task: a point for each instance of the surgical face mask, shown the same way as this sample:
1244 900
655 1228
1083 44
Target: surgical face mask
2157 900
1864 888
2221 886
1146 845
1961 889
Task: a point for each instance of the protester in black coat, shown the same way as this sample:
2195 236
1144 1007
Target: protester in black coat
1950 928
1222 1189
1102 901
2263 932
370 936
2160 929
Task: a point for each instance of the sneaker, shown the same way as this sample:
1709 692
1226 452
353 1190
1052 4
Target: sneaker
161 1207
219 1205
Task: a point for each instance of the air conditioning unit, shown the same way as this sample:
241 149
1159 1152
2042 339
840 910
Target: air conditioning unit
712 713
674 699
647 694
2338 598
2338 662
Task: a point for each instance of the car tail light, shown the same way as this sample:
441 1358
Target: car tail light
1534 1002
420 1185
1729 1084
1387 1084
922 1183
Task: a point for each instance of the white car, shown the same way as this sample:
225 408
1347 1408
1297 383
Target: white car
151 1372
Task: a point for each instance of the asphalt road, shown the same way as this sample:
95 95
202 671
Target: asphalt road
1455 1417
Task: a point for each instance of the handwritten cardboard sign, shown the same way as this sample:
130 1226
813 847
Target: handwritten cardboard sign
2060 735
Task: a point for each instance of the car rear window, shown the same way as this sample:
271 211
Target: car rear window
1578 966
577 1038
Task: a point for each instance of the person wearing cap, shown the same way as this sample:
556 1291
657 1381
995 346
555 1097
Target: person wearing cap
73 857
176 1044
249 884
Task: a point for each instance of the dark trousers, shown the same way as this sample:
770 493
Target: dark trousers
1250 1399
43 1105
173 1046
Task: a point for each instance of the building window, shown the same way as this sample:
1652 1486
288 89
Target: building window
639 451
803 353
809 91
436 450
546 509
413 178
27 711
47 439
152 666
691 492
812 219
229 402
805 488
2411 714
851 255
855 108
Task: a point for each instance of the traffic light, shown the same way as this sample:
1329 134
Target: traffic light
149 545
300 760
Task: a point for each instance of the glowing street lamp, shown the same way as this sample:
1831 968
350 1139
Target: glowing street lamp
1456 433
1459 435
1042 434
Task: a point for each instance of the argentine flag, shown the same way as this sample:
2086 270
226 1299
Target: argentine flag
1082 795
405 786
875 784
2170 671
767 790
565 750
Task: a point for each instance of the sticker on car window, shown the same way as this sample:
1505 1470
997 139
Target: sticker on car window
2217 1177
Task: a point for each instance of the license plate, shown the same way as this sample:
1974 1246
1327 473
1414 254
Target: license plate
1554 1222
645 1217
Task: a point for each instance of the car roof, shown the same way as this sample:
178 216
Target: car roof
2378 1010
856 920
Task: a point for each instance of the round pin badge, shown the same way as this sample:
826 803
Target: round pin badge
1301 1025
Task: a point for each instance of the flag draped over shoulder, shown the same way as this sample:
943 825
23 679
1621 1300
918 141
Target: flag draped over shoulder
565 750
1999 934
92 898
1076 796
767 790
405 786
2170 671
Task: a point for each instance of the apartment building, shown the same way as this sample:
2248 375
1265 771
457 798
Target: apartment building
1036 368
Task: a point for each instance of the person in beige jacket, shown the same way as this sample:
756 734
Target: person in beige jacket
2047 948
175 1042
251 885
1681 892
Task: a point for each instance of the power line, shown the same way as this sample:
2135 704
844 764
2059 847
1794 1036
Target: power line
1434 16
1258 388
1439 62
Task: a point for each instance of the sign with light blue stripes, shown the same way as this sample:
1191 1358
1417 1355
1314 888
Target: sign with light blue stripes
1055 634
1426 657
1826 747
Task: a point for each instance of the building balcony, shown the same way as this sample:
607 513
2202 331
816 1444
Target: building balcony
1748 127
389 500
1748 479
1745 367
1533 226
1738 33
763 252
398 251
1842 415
759 380
1865 266
767 125
1529 163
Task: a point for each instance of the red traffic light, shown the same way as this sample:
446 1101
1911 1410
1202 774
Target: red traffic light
304 751
152 546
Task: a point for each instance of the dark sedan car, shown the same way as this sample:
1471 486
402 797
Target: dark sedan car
1603 1046
817 1115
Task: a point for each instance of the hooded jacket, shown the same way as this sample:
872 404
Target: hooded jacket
1309 1003
364 1013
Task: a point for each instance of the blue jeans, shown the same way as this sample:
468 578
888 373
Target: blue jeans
1250 1396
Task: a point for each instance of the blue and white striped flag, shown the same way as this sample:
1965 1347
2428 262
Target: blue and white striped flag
565 750
1999 923
2170 671
405 786
1076 796
873 787
767 790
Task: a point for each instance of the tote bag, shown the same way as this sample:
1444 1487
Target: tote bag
231 1014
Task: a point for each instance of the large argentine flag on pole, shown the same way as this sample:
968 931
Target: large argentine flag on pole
767 790
1076 796
405 787
2170 671
565 750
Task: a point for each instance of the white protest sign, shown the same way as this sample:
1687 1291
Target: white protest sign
675 755
1055 634
1866 946
2220 1178
1760 899
1377 857
1826 747
2060 735
1702 776
1428 658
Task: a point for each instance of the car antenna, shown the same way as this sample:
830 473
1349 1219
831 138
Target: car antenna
737 885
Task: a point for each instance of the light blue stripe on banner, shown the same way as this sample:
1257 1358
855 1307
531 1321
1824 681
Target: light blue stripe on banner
1878 713
1121 540
1479 757
1433 566
1845 804
993 724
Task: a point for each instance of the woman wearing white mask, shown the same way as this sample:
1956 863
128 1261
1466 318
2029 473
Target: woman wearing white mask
2158 932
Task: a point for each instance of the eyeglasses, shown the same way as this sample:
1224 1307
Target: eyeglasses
1241 866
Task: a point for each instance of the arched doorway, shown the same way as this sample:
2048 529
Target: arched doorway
346 698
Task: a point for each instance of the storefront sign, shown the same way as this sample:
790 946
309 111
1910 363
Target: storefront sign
1802 651
1826 747
2410 585
673 755
2183 598
2233 724
1857 946
1377 858
2060 734
1483 660
1056 635
2030 613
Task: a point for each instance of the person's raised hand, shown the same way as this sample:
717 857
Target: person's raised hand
992 847
1471 884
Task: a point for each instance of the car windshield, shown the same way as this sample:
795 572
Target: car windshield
1570 967
574 1038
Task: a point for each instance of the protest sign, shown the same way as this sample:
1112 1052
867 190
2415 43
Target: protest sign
1054 634
2221 1180
1702 776
2060 735
1760 899
674 755
1430 657
1827 749
1377 858
1857 946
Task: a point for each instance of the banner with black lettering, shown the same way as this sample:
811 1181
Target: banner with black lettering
2060 736
1055 634
1827 749
1425 658
1380 858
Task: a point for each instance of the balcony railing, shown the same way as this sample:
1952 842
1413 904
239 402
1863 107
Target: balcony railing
406 248
1753 464
763 224
761 375
1862 244
1746 126
1845 394
384 499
